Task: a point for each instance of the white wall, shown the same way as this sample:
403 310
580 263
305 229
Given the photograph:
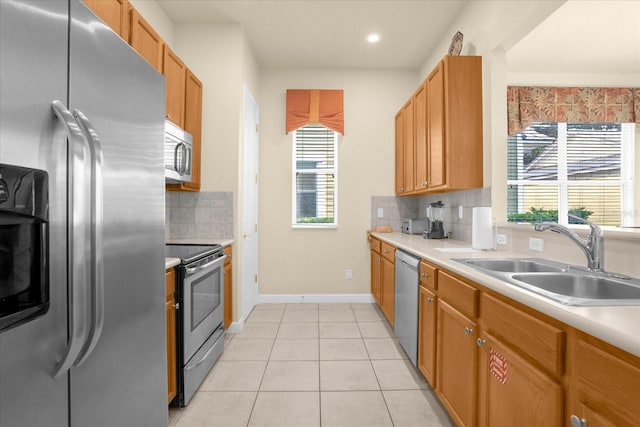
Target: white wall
295 261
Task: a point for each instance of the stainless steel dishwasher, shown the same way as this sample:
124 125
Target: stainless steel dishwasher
406 308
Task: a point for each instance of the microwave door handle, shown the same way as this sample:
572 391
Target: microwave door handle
76 239
97 266
175 157
185 155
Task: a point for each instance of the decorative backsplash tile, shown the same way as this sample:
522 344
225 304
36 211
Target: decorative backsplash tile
396 208
203 215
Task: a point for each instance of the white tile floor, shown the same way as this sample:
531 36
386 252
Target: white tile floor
299 365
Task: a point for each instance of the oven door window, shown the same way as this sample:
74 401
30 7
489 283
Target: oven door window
205 296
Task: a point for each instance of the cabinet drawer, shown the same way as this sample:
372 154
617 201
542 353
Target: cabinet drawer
388 251
170 282
375 245
535 338
608 383
228 253
462 296
428 277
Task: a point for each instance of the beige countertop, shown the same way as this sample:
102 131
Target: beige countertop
619 325
172 262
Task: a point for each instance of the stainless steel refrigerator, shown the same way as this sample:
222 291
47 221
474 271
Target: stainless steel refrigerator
97 356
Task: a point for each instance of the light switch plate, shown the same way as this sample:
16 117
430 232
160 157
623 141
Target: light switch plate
536 244
502 239
348 274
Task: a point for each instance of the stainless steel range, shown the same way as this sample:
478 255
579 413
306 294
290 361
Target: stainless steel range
200 305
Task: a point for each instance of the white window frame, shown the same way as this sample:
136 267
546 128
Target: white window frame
626 182
294 194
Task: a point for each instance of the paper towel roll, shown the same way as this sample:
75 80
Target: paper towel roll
481 229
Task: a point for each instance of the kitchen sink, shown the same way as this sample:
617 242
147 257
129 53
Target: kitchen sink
517 265
566 284
584 286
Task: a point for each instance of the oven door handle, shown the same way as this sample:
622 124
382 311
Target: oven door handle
194 270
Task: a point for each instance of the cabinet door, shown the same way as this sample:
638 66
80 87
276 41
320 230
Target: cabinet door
376 269
590 418
514 392
175 73
408 142
420 136
388 289
399 140
172 378
146 41
228 295
436 128
113 13
457 364
193 125
427 335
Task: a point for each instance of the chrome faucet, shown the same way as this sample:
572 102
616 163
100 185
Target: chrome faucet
593 247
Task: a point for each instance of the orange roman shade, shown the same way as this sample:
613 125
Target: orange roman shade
325 107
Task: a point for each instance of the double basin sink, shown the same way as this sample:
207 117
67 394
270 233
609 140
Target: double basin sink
566 284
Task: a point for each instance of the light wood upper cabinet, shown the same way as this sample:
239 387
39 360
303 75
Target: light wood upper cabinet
439 144
421 153
193 125
399 151
144 40
114 13
175 73
436 160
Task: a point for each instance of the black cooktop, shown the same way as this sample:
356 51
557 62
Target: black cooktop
190 253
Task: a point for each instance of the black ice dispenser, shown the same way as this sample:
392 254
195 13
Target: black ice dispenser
24 275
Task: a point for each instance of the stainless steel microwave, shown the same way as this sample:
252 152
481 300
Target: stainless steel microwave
178 150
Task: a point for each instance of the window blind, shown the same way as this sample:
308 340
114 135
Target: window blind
555 169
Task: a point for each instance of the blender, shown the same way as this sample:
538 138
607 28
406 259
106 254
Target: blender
435 225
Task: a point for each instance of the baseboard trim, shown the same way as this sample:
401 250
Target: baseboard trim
235 327
314 298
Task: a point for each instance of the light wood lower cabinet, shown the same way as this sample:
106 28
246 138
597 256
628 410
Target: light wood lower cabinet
514 392
228 287
457 364
427 335
383 277
172 378
376 279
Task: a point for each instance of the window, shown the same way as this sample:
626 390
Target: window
583 169
315 177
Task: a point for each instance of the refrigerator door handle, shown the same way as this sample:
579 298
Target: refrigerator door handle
76 239
97 276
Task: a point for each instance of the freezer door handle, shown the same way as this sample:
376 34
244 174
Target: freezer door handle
76 229
97 276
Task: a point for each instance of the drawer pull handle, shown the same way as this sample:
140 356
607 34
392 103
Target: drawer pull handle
468 331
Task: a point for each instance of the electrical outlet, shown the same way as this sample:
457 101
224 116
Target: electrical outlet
380 213
460 212
348 274
536 244
502 239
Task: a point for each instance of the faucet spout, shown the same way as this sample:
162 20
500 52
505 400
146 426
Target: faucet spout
593 246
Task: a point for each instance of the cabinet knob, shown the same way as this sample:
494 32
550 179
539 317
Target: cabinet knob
425 183
468 331
177 306
429 299
481 342
425 275
578 422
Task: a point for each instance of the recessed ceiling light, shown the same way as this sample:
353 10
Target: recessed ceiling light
373 38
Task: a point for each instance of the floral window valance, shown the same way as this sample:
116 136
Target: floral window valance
526 105
306 106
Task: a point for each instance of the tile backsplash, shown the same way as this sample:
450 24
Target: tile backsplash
203 215
396 208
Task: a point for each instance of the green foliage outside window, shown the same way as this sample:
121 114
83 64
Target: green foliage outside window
539 215
315 220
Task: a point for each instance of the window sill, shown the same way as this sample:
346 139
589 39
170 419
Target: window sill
315 226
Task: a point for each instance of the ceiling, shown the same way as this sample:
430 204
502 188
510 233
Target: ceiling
329 33
582 37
